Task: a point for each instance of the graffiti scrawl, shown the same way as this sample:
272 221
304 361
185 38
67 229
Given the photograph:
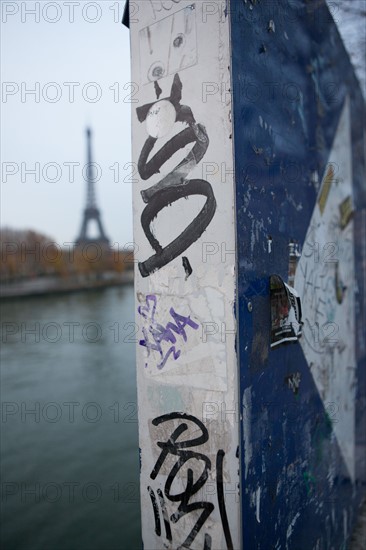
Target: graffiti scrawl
197 474
155 334
160 118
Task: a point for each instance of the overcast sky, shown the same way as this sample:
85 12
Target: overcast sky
85 44
37 130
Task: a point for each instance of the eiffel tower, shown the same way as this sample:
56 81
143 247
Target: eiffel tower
91 212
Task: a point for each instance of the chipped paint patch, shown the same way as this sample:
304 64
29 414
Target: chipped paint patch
292 525
271 26
247 423
269 242
293 382
258 504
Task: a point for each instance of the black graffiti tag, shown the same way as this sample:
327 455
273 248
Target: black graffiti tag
176 184
195 480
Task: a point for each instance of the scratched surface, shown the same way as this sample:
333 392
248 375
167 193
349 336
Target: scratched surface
300 167
185 293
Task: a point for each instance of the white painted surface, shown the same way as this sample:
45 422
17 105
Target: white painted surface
329 329
198 376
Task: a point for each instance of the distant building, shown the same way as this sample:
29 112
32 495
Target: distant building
91 211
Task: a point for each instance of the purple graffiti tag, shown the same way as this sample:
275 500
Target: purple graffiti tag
156 334
145 311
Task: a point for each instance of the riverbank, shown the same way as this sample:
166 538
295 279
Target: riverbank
41 286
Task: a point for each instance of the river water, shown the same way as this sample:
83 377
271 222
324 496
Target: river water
70 461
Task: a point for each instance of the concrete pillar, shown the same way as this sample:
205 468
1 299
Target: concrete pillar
248 147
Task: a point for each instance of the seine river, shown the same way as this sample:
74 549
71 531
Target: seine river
70 460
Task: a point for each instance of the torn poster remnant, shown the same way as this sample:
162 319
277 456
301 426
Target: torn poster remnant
286 324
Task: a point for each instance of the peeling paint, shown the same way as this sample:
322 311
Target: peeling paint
292 525
247 427
258 504
269 244
271 26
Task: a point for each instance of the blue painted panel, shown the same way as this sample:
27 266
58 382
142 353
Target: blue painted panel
291 80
